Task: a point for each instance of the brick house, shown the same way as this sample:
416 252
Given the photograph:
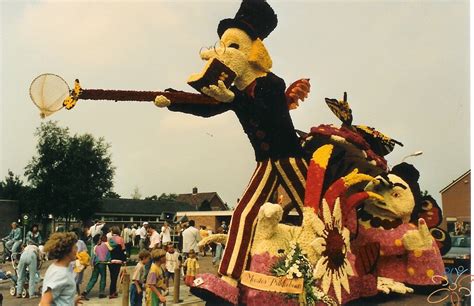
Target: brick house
203 201
456 199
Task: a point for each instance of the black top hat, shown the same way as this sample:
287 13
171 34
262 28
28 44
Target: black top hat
255 17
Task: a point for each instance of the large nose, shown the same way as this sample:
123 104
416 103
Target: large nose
207 53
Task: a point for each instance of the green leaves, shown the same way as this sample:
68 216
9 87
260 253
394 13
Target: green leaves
69 174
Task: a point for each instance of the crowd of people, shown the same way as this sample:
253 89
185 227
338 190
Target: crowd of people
110 248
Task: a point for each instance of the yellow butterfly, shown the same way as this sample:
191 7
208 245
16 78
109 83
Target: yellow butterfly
380 143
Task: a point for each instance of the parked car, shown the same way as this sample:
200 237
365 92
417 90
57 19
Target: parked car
460 253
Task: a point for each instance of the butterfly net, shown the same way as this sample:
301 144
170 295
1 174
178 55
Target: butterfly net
48 92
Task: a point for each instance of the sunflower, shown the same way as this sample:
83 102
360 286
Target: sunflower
333 267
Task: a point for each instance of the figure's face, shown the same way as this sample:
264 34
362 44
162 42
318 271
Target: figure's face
14 225
234 50
398 201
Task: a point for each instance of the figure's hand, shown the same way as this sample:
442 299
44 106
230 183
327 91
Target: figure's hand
162 299
387 285
419 239
219 92
162 101
298 90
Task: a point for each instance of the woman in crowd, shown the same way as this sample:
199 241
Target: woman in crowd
117 258
59 287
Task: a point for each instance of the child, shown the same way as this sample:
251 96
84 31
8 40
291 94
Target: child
192 267
155 280
100 257
138 279
172 263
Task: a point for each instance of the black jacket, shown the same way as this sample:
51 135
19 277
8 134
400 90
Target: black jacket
265 118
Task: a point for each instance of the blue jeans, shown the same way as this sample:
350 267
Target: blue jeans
27 259
13 245
135 298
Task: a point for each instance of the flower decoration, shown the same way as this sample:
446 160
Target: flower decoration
295 264
333 245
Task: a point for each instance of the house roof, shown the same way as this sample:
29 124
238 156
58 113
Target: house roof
456 180
131 206
196 199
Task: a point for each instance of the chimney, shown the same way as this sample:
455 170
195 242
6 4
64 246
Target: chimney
195 190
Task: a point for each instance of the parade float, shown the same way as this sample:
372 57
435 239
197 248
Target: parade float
364 228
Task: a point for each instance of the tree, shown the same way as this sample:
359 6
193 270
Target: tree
168 196
153 197
112 195
70 174
136 195
12 187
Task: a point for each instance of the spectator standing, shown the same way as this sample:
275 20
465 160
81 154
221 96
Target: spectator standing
134 235
172 263
82 260
155 239
100 259
95 230
192 268
165 233
155 280
219 249
117 258
139 278
224 227
59 287
191 238
28 260
142 232
127 238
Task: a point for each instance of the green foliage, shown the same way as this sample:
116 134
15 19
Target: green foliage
168 196
69 174
12 187
112 195
153 197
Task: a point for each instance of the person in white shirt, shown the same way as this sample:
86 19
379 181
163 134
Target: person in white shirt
142 231
94 230
155 239
191 238
127 239
172 263
165 233
134 234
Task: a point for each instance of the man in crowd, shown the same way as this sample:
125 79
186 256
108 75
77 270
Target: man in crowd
155 238
142 232
127 238
165 233
191 238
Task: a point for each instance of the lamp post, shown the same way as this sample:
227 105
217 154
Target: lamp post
417 153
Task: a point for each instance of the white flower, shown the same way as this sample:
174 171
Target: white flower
333 267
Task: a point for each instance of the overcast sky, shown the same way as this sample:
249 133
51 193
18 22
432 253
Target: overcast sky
404 64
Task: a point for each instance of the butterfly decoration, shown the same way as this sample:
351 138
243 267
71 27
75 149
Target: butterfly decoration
380 143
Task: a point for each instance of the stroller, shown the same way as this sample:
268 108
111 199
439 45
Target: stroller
15 259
